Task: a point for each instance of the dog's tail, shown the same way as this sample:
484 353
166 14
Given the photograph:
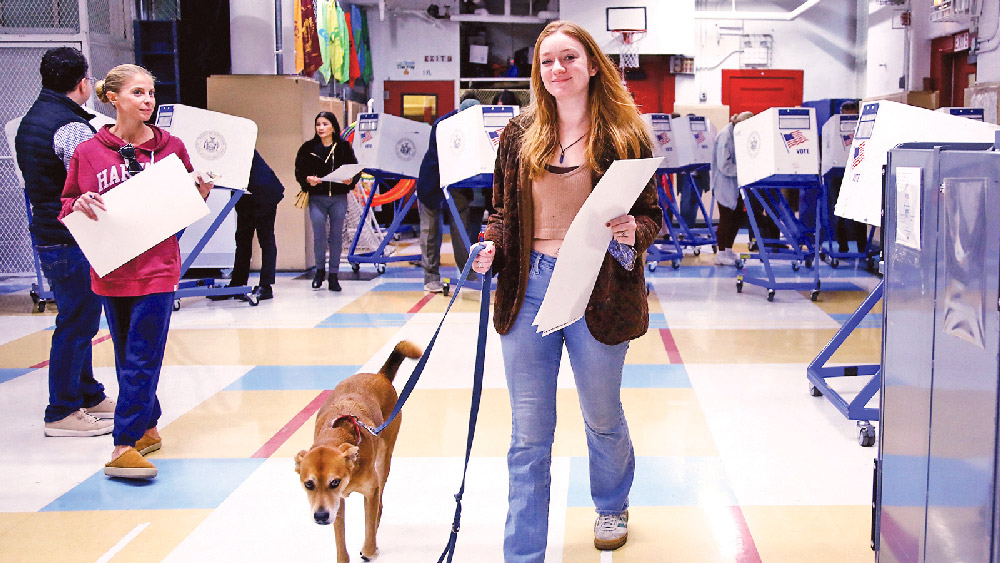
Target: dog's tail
405 349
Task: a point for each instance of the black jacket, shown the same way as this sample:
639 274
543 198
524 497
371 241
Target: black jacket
265 188
313 159
44 173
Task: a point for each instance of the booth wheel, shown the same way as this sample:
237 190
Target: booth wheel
715 249
252 298
809 262
177 304
795 265
834 262
39 303
675 263
814 391
355 267
445 289
770 295
739 285
822 255
866 434
380 269
697 251
652 265
814 295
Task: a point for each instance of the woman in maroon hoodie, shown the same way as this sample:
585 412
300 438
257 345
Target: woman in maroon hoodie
138 297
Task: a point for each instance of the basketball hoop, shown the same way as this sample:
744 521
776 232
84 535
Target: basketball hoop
628 49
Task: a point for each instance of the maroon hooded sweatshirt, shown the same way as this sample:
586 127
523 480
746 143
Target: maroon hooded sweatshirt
97 167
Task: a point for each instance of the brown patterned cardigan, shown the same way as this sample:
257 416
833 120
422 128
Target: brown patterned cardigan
617 310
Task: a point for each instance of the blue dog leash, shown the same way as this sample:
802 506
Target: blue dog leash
477 386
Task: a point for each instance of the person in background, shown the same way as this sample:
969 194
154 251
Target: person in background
138 297
549 160
727 191
316 158
46 139
431 198
846 230
256 211
690 186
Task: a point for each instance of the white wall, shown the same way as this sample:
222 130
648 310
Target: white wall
988 66
821 41
251 35
407 46
669 23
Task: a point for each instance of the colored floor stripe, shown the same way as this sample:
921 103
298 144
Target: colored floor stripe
95 342
747 550
286 432
670 346
420 304
122 543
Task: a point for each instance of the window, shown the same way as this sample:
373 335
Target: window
420 107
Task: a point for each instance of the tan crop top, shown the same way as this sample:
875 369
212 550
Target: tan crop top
557 198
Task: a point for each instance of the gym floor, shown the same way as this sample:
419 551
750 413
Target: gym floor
736 461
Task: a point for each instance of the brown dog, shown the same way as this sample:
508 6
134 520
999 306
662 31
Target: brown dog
345 458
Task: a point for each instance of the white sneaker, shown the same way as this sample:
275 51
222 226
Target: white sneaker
611 530
103 410
79 423
434 286
725 258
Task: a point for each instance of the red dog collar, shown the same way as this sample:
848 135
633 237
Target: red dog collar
353 420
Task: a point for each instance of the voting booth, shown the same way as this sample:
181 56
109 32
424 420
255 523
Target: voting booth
467 143
977 114
221 145
779 148
391 144
777 145
662 135
838 134
882 126
694 140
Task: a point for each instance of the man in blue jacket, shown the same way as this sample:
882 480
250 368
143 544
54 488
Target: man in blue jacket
46 139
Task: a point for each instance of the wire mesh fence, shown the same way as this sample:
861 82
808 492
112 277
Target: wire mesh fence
27 29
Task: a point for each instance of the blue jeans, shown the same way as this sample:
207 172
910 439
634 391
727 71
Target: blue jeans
139 332
531 362
71 374
688 192
321 209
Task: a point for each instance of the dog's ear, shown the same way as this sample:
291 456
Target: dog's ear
349 452
298 460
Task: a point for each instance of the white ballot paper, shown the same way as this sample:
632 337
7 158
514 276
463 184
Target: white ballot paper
587 240
141 212
343 173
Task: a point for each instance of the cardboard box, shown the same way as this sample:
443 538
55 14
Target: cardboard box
779 145
467 141
337 107
281 130
662 134
838 134
984 95
927 99
882 126
694 140
390 143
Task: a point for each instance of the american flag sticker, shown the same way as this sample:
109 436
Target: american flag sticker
699 137
794 138
859 154
662 138
366 136
495 137
848 139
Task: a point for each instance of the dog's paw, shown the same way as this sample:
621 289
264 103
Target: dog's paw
369 557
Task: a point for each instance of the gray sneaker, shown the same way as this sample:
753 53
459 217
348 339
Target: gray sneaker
434 286
79 423
105 409
611 531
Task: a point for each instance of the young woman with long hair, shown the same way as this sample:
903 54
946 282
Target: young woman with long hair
549 160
